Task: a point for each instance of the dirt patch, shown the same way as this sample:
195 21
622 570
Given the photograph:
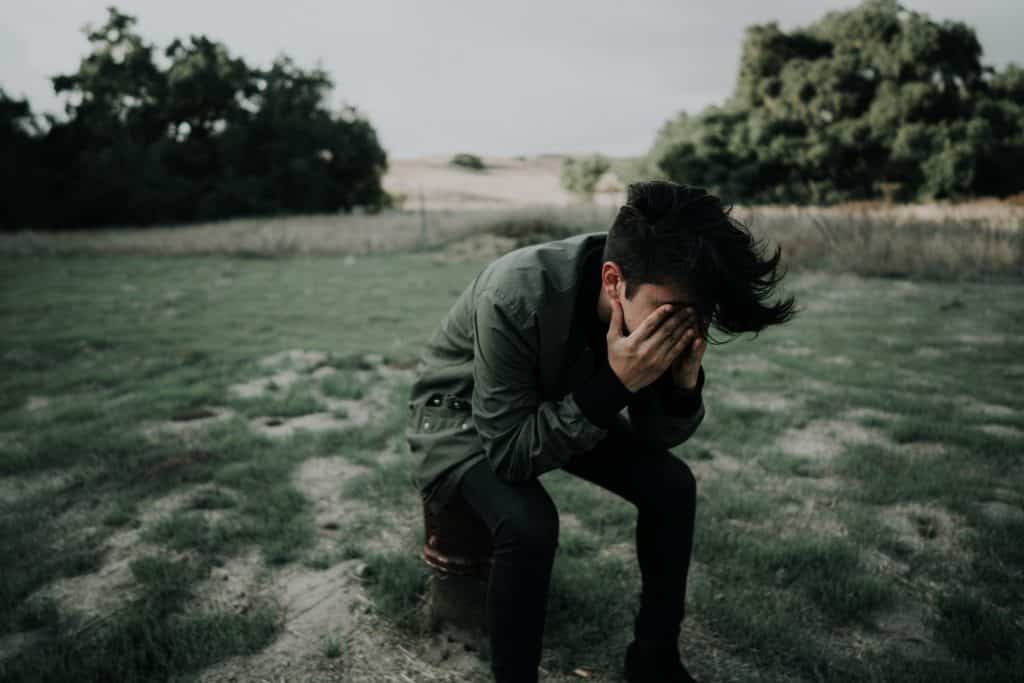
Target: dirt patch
291 365
86 600
317 606
321 480
796 351
1002 431
624 551
811 385
981 339
280 428
258 387
330 609
871 414
999 511
299 359
974 405
15 487
568 521
716 465
930 529
877 562
837 360
35 403
375 652
823 440
907 379
926 449
294 365
1008 495
766 401
810 513
929 352
321 607
748 363
233 586
725 464
188 429
908 625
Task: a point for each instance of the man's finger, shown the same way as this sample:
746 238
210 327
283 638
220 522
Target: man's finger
615 324
667 332
651 323
678 342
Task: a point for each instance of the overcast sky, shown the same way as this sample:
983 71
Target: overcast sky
510 77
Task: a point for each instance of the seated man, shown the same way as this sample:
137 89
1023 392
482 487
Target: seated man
533 368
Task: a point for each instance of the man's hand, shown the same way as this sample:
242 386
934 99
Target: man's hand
641 357
686 366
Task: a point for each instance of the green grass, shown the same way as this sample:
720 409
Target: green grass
798 563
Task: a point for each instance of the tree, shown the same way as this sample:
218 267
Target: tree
200 135
869 98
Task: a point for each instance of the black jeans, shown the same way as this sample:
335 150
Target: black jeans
524 524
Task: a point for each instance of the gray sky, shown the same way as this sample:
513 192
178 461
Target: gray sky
521 77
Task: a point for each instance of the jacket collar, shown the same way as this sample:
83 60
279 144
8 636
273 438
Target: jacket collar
586 318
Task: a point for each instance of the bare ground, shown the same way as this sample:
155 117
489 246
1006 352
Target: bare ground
325 607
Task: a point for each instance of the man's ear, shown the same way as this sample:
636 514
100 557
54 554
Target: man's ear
611 275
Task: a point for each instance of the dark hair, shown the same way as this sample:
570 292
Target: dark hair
667 233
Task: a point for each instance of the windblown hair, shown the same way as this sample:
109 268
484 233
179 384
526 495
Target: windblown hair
672 234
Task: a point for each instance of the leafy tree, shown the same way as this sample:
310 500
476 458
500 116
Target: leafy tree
190 133
19 138
869 98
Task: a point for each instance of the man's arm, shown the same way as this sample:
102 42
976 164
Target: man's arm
522 435
664 415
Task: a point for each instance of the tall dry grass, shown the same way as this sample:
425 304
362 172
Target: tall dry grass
984 240
386 232
892 244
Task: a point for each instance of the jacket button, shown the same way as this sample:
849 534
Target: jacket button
426 424
465 425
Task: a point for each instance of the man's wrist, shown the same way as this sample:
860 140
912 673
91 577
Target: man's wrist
602 396
698 382
682 401
688 388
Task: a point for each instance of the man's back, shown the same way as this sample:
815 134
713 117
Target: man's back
526 300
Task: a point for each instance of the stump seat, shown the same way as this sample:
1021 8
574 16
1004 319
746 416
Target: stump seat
458 548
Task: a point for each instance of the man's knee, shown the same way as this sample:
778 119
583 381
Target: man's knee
687 482
531 526
674 491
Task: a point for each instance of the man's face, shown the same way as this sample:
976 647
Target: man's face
648 297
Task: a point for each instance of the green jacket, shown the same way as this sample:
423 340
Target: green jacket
495 379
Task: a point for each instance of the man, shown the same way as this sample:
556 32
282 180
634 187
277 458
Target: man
585 354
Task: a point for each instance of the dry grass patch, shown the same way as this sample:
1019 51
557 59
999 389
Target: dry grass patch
824 439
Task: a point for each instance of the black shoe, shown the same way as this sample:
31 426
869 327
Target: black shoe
653 664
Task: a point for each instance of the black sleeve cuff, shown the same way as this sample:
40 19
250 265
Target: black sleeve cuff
602 396
680 402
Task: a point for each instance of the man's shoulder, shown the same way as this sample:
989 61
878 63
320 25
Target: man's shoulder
531 277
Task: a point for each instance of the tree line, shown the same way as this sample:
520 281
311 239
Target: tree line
197 134
876 101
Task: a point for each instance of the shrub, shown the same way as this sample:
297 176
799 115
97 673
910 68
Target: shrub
581 176
469 161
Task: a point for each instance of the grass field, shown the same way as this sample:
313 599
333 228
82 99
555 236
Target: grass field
204 478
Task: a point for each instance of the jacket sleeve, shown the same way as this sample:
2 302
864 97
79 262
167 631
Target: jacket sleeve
664 415
522 435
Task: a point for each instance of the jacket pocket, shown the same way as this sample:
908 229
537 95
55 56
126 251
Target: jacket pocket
440 434
440 413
